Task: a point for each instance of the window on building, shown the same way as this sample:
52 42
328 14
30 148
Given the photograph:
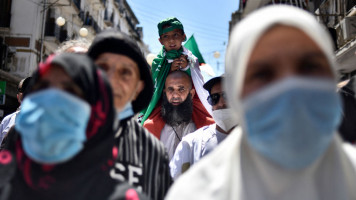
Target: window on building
350 4
5 13
50 23
77 3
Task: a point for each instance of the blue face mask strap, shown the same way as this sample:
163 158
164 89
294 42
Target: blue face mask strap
126 112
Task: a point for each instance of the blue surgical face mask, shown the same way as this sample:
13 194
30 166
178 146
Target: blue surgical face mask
52 125
126 112
292 122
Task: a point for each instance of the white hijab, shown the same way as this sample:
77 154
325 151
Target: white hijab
234 170
246 34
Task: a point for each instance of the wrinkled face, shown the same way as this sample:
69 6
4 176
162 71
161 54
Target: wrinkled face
281 52
177 88
57 78
124 77
172 40
217 90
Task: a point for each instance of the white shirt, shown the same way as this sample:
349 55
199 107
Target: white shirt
235 171
193 147
170 139
6 124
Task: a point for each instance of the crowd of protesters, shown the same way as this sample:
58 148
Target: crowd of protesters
97 122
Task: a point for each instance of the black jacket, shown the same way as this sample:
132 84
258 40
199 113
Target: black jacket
142 160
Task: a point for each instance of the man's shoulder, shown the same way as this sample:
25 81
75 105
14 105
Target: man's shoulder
146 138
7 123
8 117
203 133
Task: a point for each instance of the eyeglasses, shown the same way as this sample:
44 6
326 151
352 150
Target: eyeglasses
213 99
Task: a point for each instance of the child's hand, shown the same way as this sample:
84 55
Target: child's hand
179 63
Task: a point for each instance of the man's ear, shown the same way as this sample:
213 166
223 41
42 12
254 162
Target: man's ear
139 88
192 92
19 97
159 39
185 37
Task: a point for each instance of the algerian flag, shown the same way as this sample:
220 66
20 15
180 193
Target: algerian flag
192 45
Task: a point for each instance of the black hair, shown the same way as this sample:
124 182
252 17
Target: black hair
23 85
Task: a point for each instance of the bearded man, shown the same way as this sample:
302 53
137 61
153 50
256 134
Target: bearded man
176 110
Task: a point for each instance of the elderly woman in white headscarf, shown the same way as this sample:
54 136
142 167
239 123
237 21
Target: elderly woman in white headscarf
281 79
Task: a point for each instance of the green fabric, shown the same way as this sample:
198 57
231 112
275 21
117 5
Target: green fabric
2 87
160 70
172 23
192 45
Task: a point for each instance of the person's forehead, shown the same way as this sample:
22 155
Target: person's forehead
173 31
177 82
114 56
117 59
289 41
217 88
271 36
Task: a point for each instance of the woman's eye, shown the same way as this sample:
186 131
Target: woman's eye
126 72
311 68
264 75
314 64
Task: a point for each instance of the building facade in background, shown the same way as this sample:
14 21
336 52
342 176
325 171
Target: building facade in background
339 16
29 32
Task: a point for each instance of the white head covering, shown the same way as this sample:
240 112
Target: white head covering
246 34
236 171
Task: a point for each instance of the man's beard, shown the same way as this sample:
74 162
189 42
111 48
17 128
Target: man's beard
176 115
